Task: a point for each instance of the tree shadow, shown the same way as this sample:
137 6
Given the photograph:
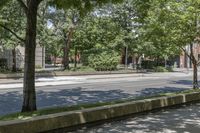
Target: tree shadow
177 119
184 82
155 91
78 96
12 101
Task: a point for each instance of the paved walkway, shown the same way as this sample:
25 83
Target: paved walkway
185 119
72 78
178 72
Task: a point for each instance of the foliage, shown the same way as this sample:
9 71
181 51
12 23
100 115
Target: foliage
105 61
3 65
148 64
83 69
170 69
171 26
160 69
12 20
126 17
96 34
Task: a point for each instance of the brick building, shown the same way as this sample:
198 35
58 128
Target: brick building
183 61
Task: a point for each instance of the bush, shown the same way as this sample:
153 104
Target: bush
38 67
170 69
83 69
148 64
160 69
3 65
105 61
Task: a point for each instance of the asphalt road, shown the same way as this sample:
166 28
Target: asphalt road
66 91
184 119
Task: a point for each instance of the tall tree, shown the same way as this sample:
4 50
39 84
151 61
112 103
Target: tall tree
175 24
64 23
96 34
30 8
129 16
11 37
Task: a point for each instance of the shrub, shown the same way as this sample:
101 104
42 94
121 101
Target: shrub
83 69
170 69
105 61
38 67
160 69
3 65
148 64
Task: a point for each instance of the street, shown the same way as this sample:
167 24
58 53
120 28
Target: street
66 91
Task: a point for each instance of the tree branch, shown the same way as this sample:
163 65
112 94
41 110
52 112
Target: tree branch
186 52
18 37
198 62
23 5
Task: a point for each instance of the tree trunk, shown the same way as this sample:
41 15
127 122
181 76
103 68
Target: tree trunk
195 69
195 76
134 61
75 56
67 49
55 60
29 94
66 56
14 65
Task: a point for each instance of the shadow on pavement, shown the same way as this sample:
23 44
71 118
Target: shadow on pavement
155 91
183 82
77 96
11 101
184 119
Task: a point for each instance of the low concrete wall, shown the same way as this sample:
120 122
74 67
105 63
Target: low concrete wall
75 118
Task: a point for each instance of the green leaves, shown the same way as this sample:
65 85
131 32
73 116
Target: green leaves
83 6
171 24
12 24
105 61
3 3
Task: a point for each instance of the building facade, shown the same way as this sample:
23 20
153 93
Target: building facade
20 52
184 60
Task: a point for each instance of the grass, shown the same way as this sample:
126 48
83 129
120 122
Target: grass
82 69
163 69
53 110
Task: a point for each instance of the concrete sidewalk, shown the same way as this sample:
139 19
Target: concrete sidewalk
67 73
10 81
72 78
83 78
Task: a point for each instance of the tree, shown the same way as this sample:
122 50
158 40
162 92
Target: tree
12 18
30 8
64 23
129 16
96 34
175 24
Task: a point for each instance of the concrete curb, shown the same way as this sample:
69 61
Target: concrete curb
75 118
65 73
